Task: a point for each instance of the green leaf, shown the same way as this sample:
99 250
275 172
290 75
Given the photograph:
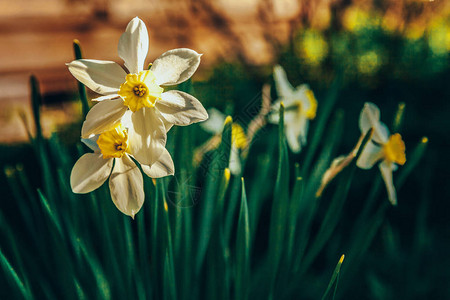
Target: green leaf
280 205
36 101
51 214
413 160
97 271
333 213
81 87
243 250
334 278
216 169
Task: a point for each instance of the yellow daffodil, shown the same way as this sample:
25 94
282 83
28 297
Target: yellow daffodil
300 107
112 158
141 91
214 125
384 147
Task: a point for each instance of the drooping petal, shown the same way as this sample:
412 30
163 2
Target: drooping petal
89 173
370 118
103 77
215 121
162 167
369 156
235 165
91 142
386 172
180 108
296 132
175 66
284 88
127 186
133 46
103 116
147 136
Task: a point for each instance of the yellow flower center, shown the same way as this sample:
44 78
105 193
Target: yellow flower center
140 90
238 137
311 112
113 143
394 149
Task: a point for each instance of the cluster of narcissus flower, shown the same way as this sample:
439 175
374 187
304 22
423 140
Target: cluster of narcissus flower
134 114
300 107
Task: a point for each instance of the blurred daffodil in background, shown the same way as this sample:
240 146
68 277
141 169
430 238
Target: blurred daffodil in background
300 107
239 140
385 148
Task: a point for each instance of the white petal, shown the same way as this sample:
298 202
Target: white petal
147 136
370 118
215 121
386 173
235 161
296 133
180 108
103 116
162 167
175 66
107 97
369 156
133 45
103 77
167 125
91 142
284 88
127 186
89 172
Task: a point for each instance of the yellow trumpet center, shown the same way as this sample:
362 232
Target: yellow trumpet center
113 143
140 90
394 149
238 137
310 113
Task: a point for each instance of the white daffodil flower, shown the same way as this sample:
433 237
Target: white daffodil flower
300 107
214 125
111 158
141 91
384 147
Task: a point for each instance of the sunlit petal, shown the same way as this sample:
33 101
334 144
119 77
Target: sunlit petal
147 136
103 77
133 46
89 172
103 116
127 186
180 108
162 167
175 66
